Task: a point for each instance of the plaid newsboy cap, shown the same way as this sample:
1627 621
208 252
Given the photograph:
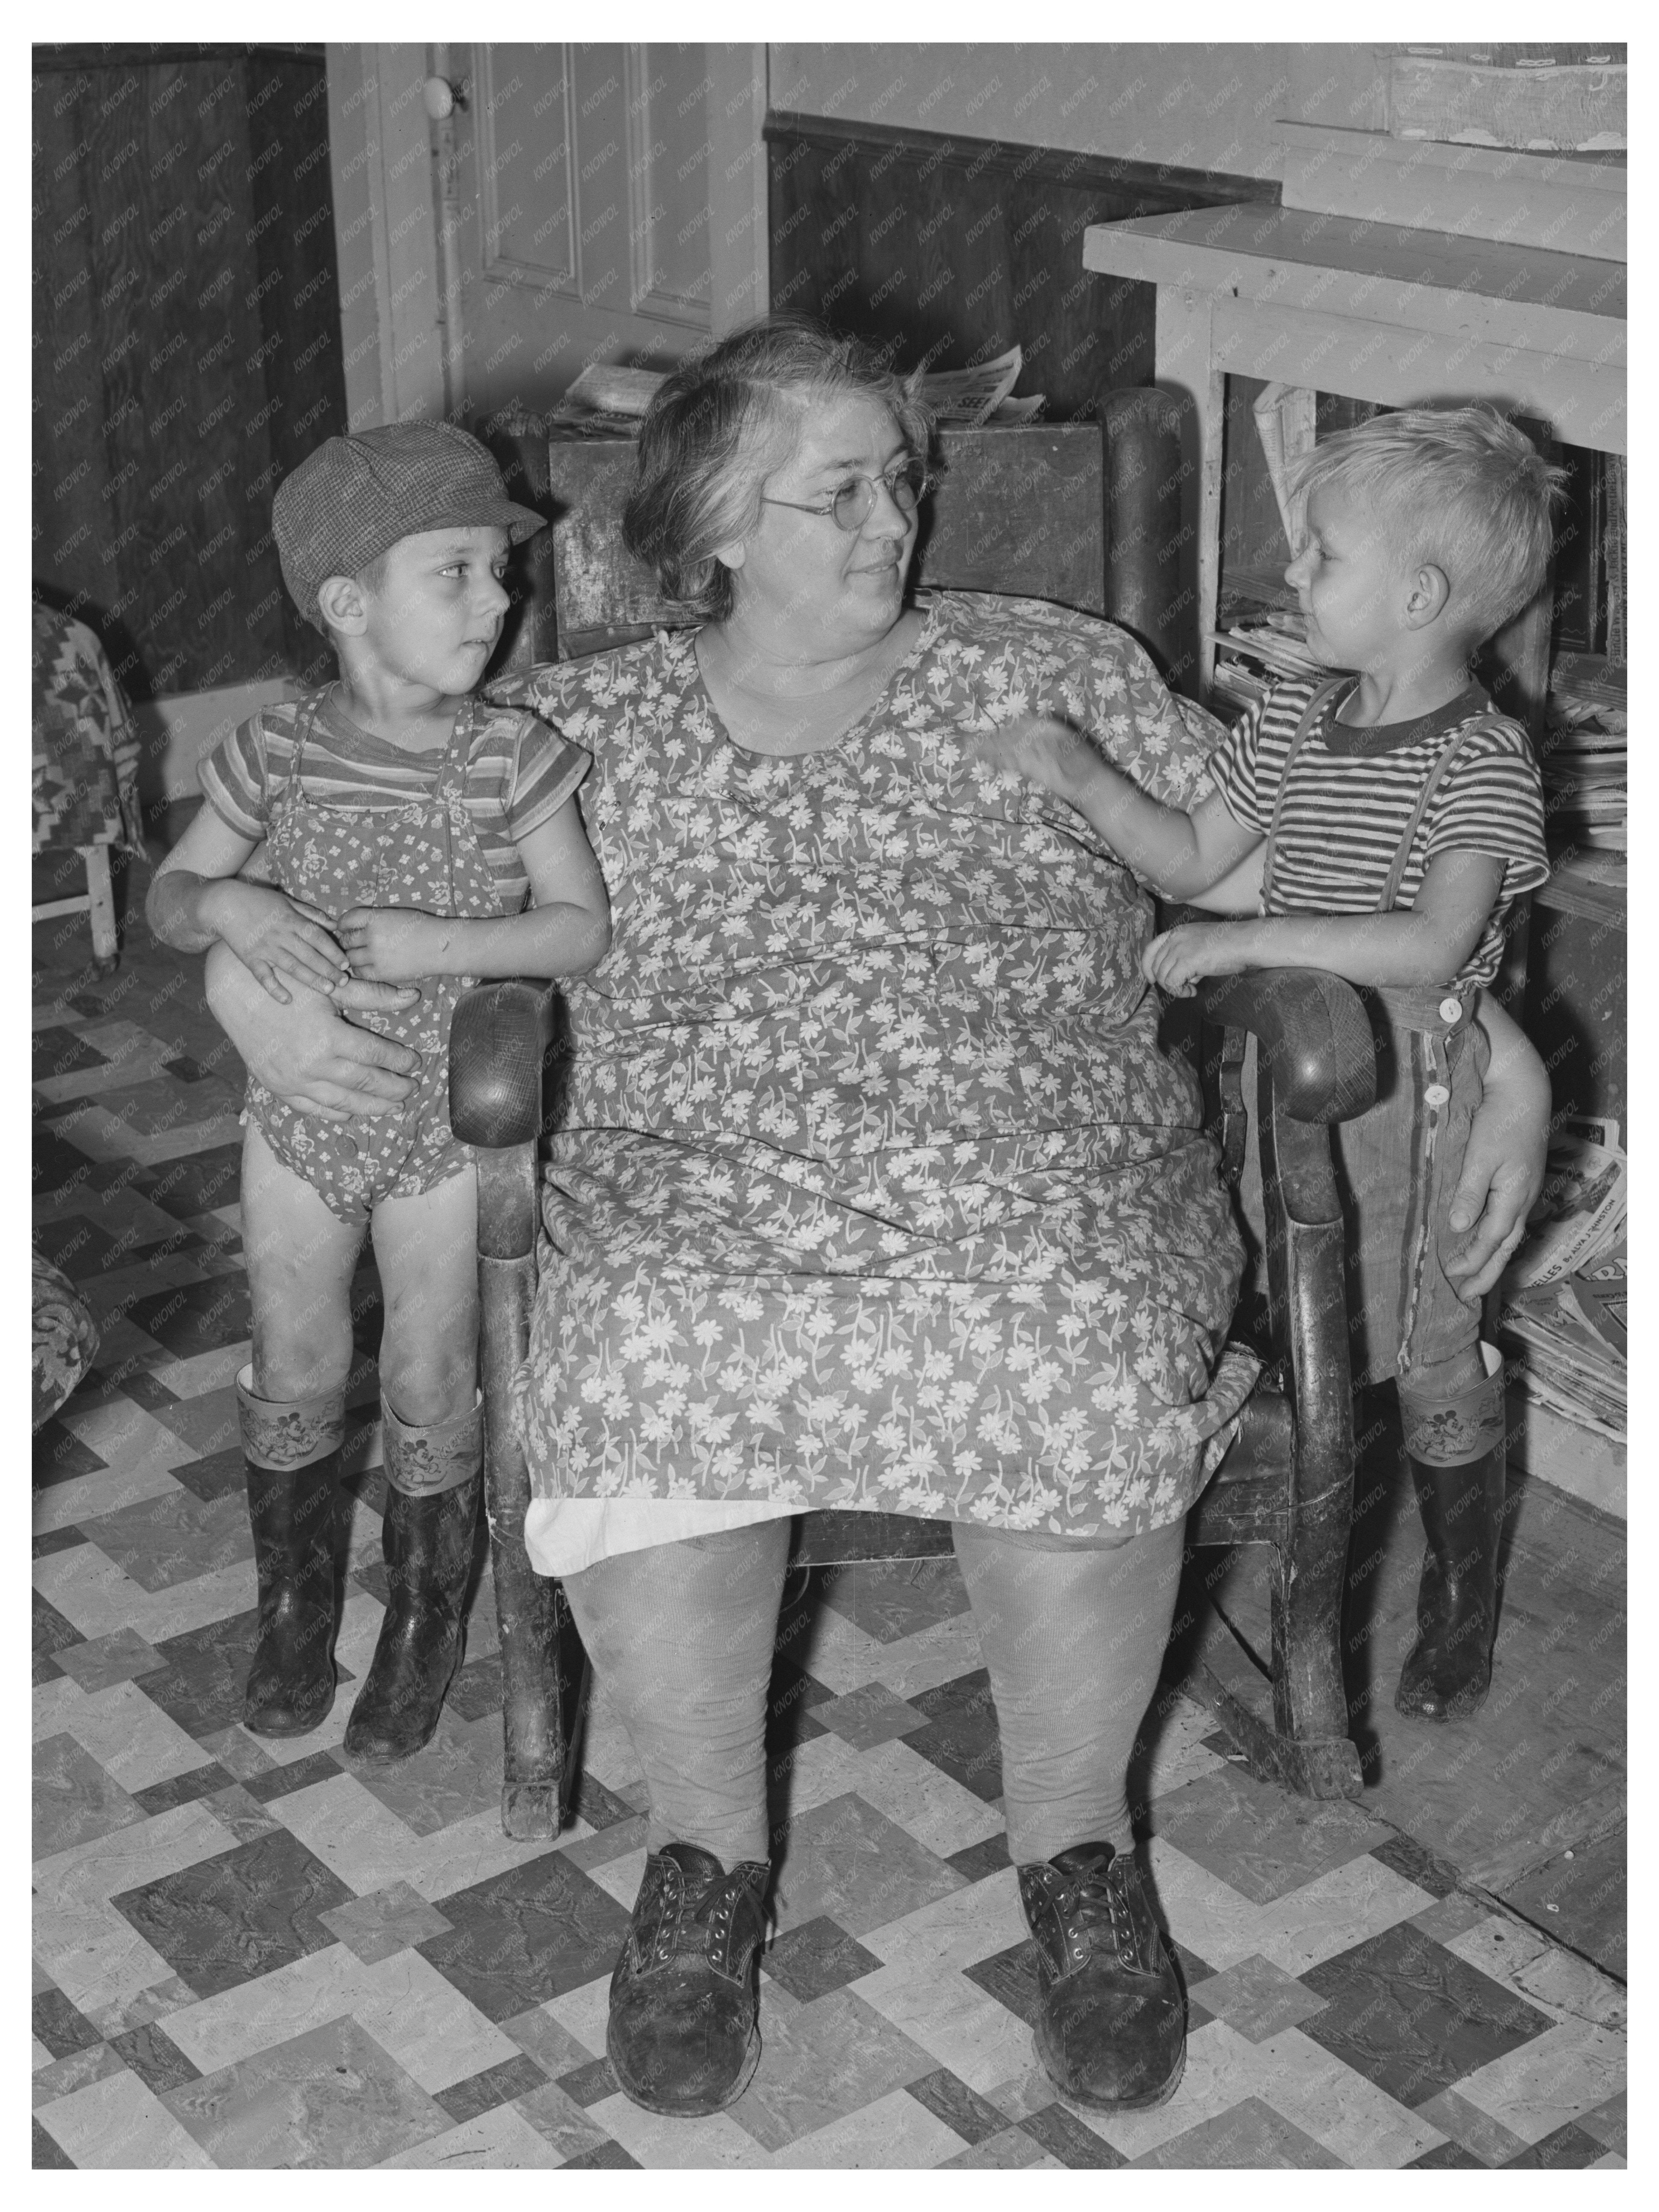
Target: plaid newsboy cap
354 497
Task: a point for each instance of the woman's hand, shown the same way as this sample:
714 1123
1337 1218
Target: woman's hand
1178 960
273 935
395 944
304 1051
1502 1162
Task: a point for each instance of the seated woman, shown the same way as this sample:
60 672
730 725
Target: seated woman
874 1189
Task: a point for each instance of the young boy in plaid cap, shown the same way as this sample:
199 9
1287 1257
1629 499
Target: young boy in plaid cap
1397 817
406 825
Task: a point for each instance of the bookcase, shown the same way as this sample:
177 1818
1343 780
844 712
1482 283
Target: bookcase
1398 271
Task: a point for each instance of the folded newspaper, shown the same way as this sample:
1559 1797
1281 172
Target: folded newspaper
1573 1364
1563 1301
1580 1213
606 399
965 397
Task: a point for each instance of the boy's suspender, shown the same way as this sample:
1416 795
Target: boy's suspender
1432 783
1311 715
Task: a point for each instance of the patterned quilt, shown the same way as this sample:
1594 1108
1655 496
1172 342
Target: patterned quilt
85 749
63 1340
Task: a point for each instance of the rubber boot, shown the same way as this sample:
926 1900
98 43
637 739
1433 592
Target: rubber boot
1456 1450
435 1476
292 1451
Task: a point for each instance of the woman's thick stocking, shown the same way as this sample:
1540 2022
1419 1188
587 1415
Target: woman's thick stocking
1074 1639
681 1637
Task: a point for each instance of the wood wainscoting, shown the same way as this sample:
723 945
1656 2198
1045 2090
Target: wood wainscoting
952 250
187 329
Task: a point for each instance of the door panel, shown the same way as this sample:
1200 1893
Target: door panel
585 171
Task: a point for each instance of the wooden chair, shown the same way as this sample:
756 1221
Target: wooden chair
97 902
1083 513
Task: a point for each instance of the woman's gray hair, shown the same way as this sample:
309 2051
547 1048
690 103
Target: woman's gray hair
716 431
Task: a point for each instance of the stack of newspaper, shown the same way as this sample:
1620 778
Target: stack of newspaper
1263 635
1563 1301
1585 756
607 401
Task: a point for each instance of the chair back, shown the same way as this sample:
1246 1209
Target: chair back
1019 510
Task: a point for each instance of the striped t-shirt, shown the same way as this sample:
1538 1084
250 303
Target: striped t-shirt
1352 791
519 772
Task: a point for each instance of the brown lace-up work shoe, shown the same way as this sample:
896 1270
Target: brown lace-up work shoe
683 2037
1110 2029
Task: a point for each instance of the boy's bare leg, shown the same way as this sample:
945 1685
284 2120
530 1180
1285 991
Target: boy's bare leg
427 1248
301 1259
433 1431
291 1403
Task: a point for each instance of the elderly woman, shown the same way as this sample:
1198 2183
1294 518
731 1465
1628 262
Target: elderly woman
874 1189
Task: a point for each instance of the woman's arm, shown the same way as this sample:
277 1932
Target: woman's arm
1502 1162
566 933
195 900
304 1051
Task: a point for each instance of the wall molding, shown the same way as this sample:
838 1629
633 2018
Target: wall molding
386 235
1052 165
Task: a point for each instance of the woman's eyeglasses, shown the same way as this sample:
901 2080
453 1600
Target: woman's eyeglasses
850 507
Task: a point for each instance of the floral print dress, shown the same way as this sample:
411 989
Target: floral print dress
874 1189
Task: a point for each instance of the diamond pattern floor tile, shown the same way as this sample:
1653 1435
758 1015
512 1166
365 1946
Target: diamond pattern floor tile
331 2098
849 1861
831 2058
119 2123
387 1921
1252 2135
1259 1840
869 1715
1066 2140
121 1656
1412 2017
75 1799
888 1601
816 1957
526 1935
500 2139
1255 1998
959 1733
248 1957
229 1919
162 1541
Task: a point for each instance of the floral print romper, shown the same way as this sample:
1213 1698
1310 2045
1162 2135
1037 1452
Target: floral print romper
349 822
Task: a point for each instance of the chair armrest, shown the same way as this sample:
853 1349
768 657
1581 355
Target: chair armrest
498 1046
1313 1030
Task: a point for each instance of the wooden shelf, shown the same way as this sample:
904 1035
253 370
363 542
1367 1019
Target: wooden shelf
1592 884
1380 311
1372 309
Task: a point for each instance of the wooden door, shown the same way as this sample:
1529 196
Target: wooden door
585 171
